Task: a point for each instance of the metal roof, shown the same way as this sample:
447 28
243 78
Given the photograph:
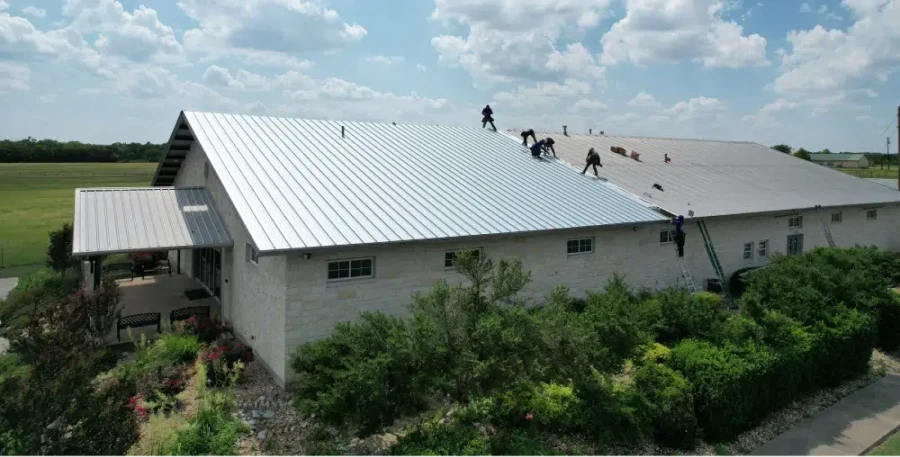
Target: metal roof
826 157
111 220
303 184
892 183
718 178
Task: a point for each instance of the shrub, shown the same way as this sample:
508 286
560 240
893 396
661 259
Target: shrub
222 357
159 434
364 374
508 347
613 410
683 315
519 442
206 328
59 251
551 407
211 431
176 348
739 329
888 319
40 287
435 438
671 404
161 380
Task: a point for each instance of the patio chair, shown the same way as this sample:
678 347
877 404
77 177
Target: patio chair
138 320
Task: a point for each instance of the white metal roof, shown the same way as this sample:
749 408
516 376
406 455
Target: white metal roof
300 184
718 178
892 183
111 220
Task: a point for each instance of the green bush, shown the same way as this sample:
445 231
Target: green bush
435 438
683 315
176 348
546 406
613 410
671 402
520 442
508 349
739 329
211 431
888 319
364 375
40 287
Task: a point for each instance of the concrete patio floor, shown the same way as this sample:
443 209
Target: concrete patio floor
157 294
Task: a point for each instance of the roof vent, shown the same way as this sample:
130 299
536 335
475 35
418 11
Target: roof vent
590 131
658 187
601 133
565 130
666 158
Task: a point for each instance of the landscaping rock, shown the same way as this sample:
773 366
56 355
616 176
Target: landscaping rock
261 435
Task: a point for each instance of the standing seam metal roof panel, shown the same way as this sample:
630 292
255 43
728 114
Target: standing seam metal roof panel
719 178
298 184
109 220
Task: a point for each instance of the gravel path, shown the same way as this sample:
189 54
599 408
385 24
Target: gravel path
277 427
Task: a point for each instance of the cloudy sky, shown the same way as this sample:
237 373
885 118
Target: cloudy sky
817 73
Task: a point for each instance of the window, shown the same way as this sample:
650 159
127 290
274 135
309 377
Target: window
837 218
666 236
794 244
450 257
762 251
795 222
871 214
582 246
748 251
350 269
252 254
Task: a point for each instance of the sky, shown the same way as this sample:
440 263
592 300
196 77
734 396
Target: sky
817 73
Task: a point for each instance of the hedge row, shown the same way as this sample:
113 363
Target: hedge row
737 385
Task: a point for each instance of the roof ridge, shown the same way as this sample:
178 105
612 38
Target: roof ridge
645 137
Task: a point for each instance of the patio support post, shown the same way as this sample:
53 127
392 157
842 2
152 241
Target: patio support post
98 270
179 261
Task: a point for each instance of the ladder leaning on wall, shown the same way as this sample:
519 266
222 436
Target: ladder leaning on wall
686 273
713 258
825 228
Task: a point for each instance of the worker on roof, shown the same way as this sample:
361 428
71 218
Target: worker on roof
488 116
679 234
548 146
592 159
537 148
526 134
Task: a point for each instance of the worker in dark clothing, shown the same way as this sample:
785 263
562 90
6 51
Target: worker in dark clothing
525 136
679 234
538 148
592 159
488 116
548 146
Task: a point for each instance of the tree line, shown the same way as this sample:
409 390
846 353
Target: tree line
875 158
33 150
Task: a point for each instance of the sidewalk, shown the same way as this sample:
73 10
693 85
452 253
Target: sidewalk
849 427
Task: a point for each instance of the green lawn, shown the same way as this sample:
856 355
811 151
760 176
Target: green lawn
890 446
872 172
37 198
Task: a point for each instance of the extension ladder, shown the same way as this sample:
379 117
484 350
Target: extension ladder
713 258
825 228
686 273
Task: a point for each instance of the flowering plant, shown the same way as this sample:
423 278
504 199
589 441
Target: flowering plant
136 403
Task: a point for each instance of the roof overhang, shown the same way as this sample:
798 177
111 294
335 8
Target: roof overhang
117 220
180 142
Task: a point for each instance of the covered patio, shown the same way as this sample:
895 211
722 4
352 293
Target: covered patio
156 219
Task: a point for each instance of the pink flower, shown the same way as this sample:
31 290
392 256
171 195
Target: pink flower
529 416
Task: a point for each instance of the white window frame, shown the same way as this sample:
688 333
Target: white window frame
350 262
452 266
839 219
748 248
670 236
252 254
798 224
872 214
579 241
762 249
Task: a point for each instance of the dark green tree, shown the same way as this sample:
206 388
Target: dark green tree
59 253
783 148
802 154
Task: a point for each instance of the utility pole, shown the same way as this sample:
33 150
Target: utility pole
898 148
887 154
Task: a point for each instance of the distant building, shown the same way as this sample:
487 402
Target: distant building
840 160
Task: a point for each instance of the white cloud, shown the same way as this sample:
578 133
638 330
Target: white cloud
516 39
138 36
805 8
33 11
822 61
587 107
695 30
545 94
273 59
697 107
384 60
421 67
286 26
863 117
20 40
644 100
14 77
3 5
766 115
217 76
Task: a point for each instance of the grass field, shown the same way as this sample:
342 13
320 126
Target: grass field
873 172
890 446
38 198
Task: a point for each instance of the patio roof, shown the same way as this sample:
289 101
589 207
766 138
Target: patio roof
114 220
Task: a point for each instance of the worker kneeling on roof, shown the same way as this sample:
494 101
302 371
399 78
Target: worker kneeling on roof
543 146
592 159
